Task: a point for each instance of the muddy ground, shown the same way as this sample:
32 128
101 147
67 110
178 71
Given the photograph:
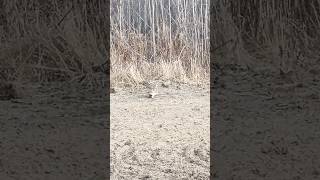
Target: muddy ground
265 126
54 132
166 137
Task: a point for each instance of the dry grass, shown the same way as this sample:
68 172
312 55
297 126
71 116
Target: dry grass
69 40
283 34
53 41
150 41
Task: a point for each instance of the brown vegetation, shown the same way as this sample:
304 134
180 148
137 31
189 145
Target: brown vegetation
53 41
283 34
68 40
165 40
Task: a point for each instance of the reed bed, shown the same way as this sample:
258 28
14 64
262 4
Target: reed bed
54 40
283 34
146 40
160 39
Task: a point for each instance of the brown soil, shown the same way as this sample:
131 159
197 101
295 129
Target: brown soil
265 126
165 137
53 133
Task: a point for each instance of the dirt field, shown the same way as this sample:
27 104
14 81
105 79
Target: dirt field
265 126
162 138
53 133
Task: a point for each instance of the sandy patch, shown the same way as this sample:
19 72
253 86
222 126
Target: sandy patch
162 138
